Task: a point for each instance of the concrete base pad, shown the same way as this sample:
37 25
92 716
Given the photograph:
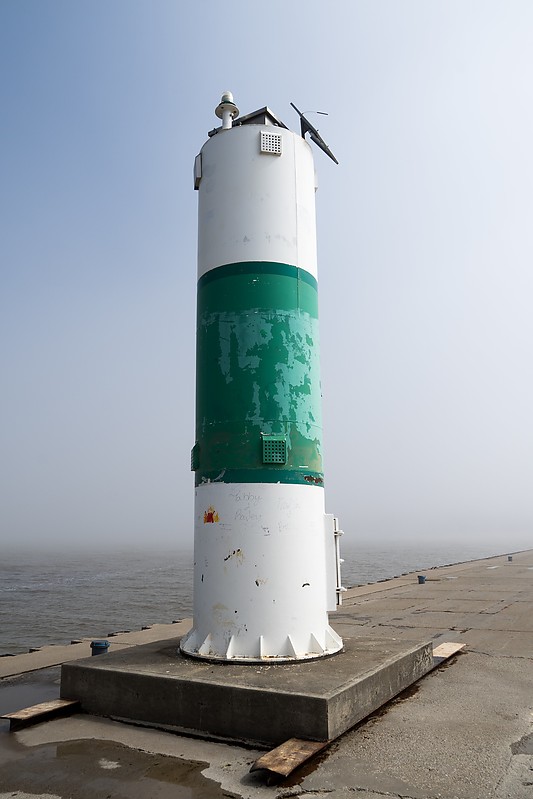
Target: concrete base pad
261 704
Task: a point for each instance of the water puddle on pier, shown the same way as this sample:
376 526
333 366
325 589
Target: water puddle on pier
87 769
92 769
28 689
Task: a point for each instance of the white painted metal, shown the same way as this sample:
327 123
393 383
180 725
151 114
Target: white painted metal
273 219
260 588
226 110
339 588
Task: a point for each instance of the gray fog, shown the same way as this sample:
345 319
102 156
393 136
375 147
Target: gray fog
425 242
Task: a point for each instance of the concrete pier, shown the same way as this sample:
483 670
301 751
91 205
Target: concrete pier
264 704
464 731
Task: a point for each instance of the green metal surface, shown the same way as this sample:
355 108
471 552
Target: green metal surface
258 284
257 373
264 475
257 268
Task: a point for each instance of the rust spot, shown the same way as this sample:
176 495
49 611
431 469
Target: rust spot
211 516
303 586
312 479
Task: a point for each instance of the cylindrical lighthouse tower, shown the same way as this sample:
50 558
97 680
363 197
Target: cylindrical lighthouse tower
266 569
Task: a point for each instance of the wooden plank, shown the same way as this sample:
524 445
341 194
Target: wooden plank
40 712
447 649
284 759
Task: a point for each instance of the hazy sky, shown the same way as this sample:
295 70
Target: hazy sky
425 256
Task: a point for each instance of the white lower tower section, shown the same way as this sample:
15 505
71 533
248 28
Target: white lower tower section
242 579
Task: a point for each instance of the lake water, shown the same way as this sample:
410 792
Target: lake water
55 597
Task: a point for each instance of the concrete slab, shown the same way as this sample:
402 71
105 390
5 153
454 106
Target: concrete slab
255 703
438 744
385 632
500 643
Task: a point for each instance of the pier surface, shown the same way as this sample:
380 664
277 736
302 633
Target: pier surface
464 731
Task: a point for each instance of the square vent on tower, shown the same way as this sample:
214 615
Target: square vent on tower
274 448
270 143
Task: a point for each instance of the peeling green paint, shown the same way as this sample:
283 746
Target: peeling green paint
264 475
258 372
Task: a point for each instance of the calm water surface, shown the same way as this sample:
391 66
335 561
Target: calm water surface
56 597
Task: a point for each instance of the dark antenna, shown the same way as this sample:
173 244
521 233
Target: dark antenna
314 135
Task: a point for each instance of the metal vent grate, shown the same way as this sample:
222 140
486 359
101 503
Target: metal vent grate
270 143
274 449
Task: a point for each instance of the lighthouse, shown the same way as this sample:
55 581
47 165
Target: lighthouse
266 556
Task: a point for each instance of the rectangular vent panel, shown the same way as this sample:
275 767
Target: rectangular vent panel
270 143
274 449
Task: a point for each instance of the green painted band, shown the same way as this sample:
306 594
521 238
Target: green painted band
257 372
243 288
285 476
258 268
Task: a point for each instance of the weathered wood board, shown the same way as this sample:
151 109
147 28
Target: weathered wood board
288 756
41 712
445 651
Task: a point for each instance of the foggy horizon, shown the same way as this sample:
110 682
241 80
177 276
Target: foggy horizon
425 251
